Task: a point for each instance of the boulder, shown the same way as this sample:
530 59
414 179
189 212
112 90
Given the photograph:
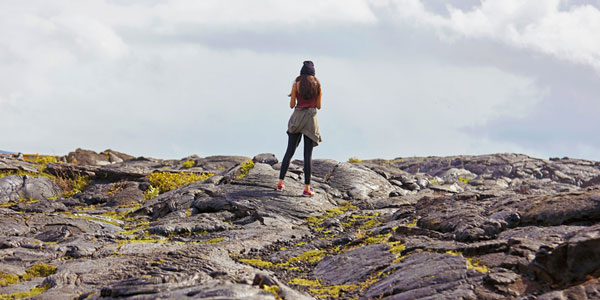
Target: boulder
15 187
265 158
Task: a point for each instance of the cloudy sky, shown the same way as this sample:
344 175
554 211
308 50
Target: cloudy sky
171 78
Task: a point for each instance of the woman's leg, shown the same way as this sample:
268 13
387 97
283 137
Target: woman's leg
308 148
293 142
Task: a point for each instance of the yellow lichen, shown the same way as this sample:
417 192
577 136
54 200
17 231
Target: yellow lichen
74 185
29 294
370 224
464 180
142 241
8 279
211 241
477 266
309 256
305 282
257 262
315 222
245 167
188 164
91 218
166 181
40 159
354 160
332 291
397 247
151 192
39 270
392 161
273 289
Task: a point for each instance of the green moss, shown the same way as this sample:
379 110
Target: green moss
151 192
309 256
91 218
376 239
39 270
116 187
397 247
166 181
215 240
29 294
273 289
75 185
370 224
317 221
354 160
462 179
257 262
245 167
188 164
476 265
143 225
8 279
132 231
334 291
392 161
123 216
41 159
413 223
142 241
305 282
471 263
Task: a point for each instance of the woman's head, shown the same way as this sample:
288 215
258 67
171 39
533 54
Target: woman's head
308 68
309 84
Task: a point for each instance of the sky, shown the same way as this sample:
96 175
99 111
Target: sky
172 78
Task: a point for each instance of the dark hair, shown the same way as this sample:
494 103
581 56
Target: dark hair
310 87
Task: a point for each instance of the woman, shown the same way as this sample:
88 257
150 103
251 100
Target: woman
305 99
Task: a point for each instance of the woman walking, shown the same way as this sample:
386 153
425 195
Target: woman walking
305 100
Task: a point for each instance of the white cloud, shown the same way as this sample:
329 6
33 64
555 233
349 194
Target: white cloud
126 75
541 26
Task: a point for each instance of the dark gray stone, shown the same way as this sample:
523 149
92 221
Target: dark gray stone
265 158
354 266
426 275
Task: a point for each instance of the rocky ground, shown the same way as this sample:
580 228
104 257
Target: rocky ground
108 225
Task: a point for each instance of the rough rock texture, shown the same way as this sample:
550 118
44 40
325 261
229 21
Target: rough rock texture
502 226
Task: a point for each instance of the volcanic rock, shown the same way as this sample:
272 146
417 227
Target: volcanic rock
498 226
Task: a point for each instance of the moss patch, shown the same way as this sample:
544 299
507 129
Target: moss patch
257 262
91 218
166 181
245 167
188 164
334 291
305 282
151 192
39 270
29 294
273 289
311 256
8 279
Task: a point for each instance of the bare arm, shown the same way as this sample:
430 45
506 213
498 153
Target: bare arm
293 96
319 97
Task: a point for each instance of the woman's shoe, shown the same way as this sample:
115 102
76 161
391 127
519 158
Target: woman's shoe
308 193
280 186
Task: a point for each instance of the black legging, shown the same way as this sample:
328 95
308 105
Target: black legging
293 142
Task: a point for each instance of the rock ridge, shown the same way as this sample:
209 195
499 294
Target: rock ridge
109 225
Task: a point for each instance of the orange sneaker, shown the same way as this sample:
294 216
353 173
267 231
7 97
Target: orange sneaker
308 193
280 186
